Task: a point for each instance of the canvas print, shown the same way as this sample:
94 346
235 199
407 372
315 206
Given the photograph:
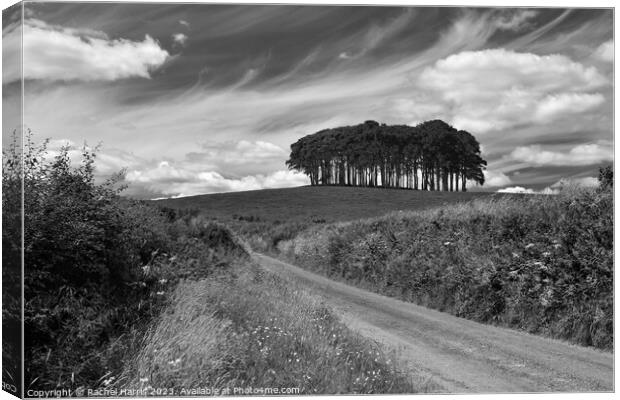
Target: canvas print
256 199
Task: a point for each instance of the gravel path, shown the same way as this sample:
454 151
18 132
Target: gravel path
459 355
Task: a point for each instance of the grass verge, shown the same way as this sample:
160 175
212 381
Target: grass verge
251 329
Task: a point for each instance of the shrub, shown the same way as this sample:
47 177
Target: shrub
84 252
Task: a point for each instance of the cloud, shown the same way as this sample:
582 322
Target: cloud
496 179
587 181
69 54
605 51
241 157
378 34
184 23
169 180
557 187
219 167
497 88
522 190
179 38
517 96
585 154
244 151
516 20
553 106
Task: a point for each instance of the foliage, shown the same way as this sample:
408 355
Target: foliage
539 263
249 328
430 156
606 177
97 266
11 263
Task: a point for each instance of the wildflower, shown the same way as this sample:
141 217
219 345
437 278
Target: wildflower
447 243
108 381
163 280
144 380
146 269
529 245
557 246
160 293
546 254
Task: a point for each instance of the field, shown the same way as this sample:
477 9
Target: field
314 204
542 264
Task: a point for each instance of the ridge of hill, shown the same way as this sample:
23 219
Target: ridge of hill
315 203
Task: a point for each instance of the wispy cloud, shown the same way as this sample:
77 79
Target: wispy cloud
515 20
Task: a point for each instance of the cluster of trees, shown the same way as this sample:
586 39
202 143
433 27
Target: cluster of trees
430 156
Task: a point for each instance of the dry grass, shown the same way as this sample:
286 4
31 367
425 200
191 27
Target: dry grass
253 329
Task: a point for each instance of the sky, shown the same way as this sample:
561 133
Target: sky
194 98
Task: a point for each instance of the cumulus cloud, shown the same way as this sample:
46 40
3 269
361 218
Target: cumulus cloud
605 51
497 88
554 106
66 54
585 154
522 190
169 180
496 179
557 187
220 167
179 38
184 23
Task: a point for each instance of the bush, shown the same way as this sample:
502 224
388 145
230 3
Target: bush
89 274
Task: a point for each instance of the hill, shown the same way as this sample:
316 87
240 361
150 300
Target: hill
307 203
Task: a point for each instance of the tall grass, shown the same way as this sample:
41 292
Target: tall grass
250 328
539 263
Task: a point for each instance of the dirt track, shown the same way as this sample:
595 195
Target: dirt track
459 355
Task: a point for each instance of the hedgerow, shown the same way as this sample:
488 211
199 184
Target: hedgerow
96 266
539 263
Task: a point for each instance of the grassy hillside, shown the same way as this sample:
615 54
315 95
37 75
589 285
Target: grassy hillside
312 203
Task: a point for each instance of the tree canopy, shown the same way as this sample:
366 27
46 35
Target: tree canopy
430 156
